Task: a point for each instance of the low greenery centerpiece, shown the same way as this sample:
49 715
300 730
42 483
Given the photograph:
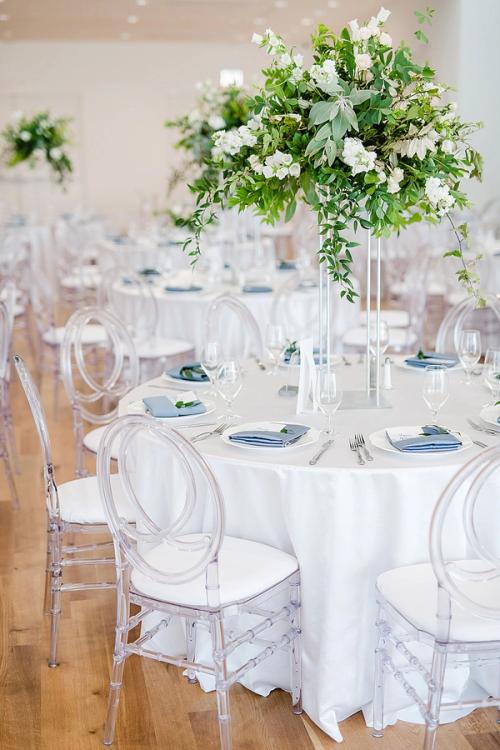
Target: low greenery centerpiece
364 136
38 138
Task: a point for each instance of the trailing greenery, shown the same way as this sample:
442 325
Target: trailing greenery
363 136
29 139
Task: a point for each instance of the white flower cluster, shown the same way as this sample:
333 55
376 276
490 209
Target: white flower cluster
325 76
395 177
418 142
438 194
271 41
56 153
232 141
372 29
356 156
278 165
216 122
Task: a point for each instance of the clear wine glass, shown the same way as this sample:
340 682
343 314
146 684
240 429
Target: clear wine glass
229 383
384 337
210 360
329 396
275 343
492 364
435 388
469 351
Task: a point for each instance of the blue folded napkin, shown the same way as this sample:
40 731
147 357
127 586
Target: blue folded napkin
189 371
256 288
287 265
183 288
288 435
434 439
432 358
161 406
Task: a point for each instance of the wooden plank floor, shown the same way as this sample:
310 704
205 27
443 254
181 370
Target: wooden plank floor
64 708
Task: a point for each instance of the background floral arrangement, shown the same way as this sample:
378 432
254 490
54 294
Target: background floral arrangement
217 110
41 136
363 136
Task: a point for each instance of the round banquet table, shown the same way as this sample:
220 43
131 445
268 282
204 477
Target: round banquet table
183 314
345 523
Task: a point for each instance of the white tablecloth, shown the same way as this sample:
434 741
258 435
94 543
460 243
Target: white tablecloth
183 314
345 524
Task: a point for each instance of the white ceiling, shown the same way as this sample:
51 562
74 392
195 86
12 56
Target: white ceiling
183 20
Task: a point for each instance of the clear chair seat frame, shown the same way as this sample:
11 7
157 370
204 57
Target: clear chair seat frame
128 540
396 633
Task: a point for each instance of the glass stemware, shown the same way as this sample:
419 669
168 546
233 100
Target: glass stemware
210 359
329 396
491 373
469 351
384 337
275 343
229 383
435 388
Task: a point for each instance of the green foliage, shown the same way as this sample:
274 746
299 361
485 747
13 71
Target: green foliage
28 138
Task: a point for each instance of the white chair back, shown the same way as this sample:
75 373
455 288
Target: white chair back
467 315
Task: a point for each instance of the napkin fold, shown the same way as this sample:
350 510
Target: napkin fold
432 358
162 406
257 288
191 288
190 371
432 439
287 265
288 435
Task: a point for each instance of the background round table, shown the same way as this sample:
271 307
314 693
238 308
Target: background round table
345 523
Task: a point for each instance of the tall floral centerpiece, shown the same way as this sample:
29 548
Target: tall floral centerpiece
38 139
217 110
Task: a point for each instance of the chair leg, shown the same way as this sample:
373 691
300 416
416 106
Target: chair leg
11 438
191 649
56 376
4 455
48 575
379 690
119 658
296 648
434 700
55 596
220 661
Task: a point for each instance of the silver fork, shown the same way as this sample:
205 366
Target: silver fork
203 435
362 444
356 449
480 428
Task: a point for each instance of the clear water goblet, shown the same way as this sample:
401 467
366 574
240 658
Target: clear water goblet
435 388
275 343
329 396
469 351
229 383
210 361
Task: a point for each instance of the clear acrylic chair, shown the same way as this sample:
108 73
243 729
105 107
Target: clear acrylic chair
8 450
452 606
249 340
96 379
73 508
132 298
177 562
466 315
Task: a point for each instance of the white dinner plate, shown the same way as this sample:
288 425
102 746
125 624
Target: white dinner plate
379 440
196 385
401 364
309 438
137 407
490 414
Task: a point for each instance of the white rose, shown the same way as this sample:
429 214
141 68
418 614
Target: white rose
55 153
383 15
295 169
216 122
363 61
448 146
386 39
257 38
25 136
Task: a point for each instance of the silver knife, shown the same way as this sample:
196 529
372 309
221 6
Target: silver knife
314 460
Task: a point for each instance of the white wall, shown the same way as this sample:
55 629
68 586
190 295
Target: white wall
120 95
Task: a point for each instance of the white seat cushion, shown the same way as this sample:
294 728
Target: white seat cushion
159 347
245 570
80 501
92 334
412 591
93 439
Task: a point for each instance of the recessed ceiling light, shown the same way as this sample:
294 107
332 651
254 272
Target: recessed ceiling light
333 4
132 19
306 22
125 36
4 17
281 4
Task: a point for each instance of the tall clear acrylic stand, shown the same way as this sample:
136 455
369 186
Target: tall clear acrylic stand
369 397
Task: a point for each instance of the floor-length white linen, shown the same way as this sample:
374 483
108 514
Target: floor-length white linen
344 523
